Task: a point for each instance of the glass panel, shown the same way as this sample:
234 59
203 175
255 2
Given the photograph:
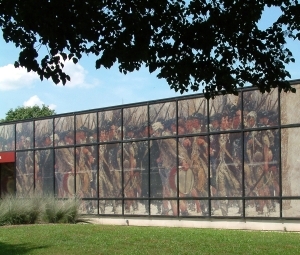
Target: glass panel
7 179
262 208
134 121
163 160
44 171
86 171
88 207
64 131
110 207
290 161
110 125
135 165
86 128
233 208
193 169
261 169
24 167
290 107
226 170
193 207
163 119
291 208
156 188
192 115
163 207
7 138
64 172
24 135
156 208
137 205
110 171
260 110
44 133
225 113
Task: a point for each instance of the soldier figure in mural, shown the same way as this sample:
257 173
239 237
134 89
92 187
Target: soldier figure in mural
143 163
166 161
44 166
105 178
223 166
85 161
132 177
64 167
114 161
258 157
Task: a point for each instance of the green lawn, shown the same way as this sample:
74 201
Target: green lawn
98 239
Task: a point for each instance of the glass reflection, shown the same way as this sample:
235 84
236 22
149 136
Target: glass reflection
64 172
263 108
163 116
134 120
192 114
7 138
225 113
44 171
64 131
86 171
86 128
24 170
24 135
110 122
226 170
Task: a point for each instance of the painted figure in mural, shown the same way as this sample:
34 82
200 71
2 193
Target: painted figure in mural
166 161
258 157
113 158
64 167
105 179
143 163
226 181
44 166
84 161
132 178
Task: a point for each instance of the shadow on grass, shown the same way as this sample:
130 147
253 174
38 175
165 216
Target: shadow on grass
9 249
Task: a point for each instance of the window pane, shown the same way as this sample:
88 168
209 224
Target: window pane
24 135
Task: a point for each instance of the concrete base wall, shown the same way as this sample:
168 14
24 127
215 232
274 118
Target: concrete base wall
276 225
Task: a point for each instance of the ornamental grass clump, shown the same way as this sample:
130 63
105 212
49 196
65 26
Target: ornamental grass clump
38 209
15 210
60 211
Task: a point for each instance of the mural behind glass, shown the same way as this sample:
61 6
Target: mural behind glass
188 157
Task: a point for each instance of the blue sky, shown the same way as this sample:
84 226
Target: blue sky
90 88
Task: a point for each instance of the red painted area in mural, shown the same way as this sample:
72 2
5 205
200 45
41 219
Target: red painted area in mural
7 157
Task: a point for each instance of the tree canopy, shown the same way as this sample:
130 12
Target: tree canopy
216 44
28 112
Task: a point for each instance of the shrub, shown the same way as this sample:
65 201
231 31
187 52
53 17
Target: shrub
45 209
60 211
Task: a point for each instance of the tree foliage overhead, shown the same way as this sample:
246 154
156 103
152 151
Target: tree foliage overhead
214 43
26 112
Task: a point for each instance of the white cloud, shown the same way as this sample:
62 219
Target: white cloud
35 100
78 76
12 78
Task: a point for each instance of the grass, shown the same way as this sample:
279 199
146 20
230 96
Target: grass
98 239
38 209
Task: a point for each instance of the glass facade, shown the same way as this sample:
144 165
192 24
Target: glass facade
234 156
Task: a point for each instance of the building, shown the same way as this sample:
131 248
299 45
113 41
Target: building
185 157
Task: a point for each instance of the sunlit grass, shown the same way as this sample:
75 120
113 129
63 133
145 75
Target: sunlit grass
99 239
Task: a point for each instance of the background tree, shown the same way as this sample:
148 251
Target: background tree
26 112
211 43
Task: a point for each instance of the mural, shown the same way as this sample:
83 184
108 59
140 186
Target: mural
24 136
234 156
7 138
